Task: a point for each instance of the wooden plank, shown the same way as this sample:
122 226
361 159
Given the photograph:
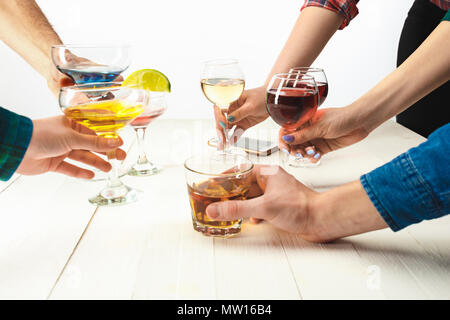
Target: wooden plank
408 270
327 271
389 257
127 240
6 184
41 221
148 250
253 265
177 262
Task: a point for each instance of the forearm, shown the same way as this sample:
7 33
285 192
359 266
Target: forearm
314 27
344 211
25 29
425 70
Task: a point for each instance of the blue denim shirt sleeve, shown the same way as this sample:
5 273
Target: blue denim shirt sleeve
415 186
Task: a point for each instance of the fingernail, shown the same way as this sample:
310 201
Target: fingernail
299 155
310 152
288 138
113 142
222 124
285 150
213 211
231 118
317 156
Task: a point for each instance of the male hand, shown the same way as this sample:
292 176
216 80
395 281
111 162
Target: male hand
54 140
276 197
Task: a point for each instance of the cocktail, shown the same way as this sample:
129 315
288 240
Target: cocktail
292 101
222 82
105 108
91 63
210 179
156 106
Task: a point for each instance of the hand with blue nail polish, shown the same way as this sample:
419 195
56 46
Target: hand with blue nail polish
329 130
247 111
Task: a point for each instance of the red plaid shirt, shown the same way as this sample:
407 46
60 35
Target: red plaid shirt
349 10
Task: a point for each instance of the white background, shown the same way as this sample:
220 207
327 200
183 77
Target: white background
175 36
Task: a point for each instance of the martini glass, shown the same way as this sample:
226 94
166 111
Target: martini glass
91 63
105 108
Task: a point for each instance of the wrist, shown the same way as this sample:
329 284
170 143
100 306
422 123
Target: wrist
344 211
318 218
387 99
363 115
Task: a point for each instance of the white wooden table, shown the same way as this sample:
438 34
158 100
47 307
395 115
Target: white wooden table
54 244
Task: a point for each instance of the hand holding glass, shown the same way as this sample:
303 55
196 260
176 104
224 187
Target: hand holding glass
105 108
91 63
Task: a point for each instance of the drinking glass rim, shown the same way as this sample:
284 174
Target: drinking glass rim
219 174
285 75
91 46
305 69
221 61
98 86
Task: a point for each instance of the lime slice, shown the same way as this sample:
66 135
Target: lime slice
148 79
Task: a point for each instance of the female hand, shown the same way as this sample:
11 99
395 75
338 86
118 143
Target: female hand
329 130
247 111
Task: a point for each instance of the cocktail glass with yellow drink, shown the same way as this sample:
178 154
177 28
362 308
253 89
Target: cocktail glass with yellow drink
105 108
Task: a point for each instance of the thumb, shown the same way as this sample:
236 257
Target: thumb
306 134
93 142
236 209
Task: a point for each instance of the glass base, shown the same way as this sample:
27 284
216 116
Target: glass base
116 196
301 162
144 170
212 231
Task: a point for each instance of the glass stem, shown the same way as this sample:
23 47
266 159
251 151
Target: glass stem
140 132
113 180
226 142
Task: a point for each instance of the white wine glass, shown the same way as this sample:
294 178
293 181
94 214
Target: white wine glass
222 82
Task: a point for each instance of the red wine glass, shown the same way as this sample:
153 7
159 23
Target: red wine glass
292 101
319 77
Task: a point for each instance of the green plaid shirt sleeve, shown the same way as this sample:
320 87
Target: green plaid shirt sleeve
447 16
15 135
